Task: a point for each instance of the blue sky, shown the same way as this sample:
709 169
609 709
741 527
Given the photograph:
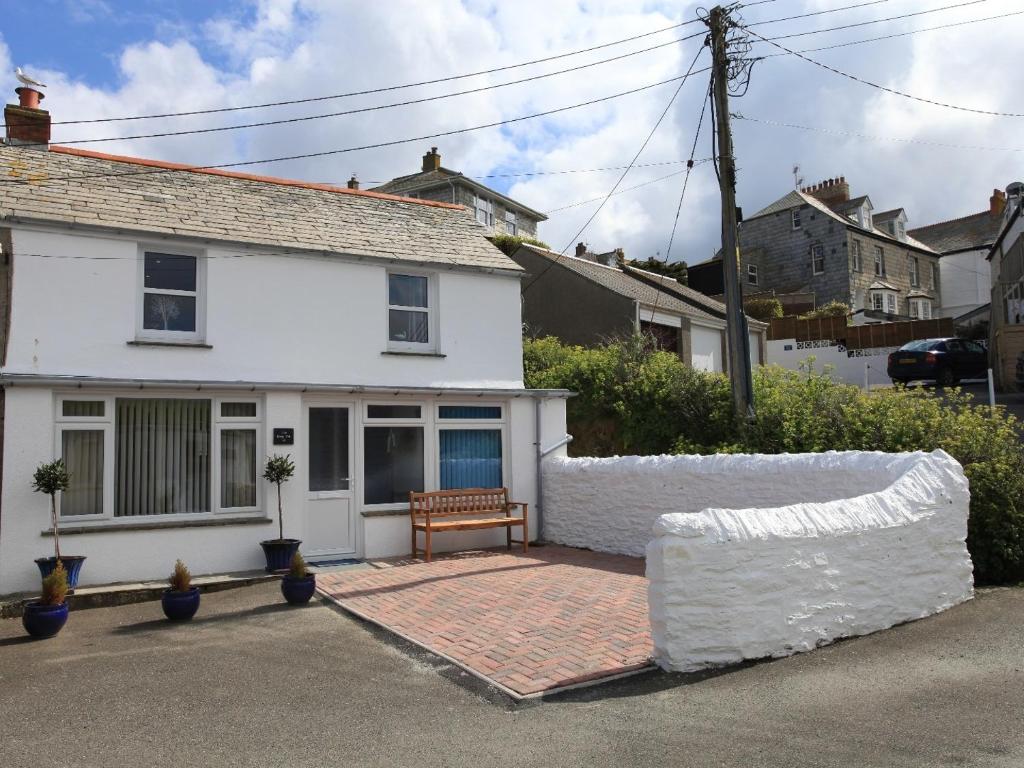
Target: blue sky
106 59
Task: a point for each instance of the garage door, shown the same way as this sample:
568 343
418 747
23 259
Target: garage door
706 346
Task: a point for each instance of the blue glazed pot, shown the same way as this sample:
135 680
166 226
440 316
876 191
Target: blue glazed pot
298 590
279 553
72 564
42 621
180 606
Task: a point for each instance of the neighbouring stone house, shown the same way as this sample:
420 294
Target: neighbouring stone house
1006 332
589 298
820 241
964 270
501 214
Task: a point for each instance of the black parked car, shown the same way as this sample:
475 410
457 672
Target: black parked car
945 361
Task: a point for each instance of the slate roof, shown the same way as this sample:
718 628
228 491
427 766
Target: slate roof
887 215
646 287
796 198
72 186
978 230
403 185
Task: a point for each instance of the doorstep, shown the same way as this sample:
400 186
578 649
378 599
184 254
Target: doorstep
106 595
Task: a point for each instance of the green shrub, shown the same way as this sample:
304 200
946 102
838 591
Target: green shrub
509 244
834 308
55 586
764 310
633 399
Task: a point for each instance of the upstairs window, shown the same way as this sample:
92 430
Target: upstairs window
795 218
879 261
751 274
857 260
511 224
484 210
901 230
818 259
170 299
915 272
410 312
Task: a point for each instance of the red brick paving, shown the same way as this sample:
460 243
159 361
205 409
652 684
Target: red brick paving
554 617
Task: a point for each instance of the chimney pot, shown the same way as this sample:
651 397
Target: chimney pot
831 191
581 250
997 203
353 183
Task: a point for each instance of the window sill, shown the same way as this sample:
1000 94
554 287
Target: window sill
155 343
409 353
106 526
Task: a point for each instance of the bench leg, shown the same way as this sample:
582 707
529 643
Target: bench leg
508 536
427 545
413 543
526 527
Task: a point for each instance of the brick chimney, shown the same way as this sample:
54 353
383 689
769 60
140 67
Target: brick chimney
353 183
431 160
26 122
581 250
997 203
831 192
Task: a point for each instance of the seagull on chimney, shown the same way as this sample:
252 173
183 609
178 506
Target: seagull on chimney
26 80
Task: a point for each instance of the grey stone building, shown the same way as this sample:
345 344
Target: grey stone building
820 241
492 209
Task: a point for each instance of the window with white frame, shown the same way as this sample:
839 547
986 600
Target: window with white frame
470 440
878 301
856 259
915 272
511 223
818 259
890 303
879 261
484 210
132 457
884 301
393 452
901 230
920 309
752 274
410 312
171 296
794 217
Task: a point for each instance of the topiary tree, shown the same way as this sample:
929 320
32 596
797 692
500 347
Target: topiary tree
51 479
279 469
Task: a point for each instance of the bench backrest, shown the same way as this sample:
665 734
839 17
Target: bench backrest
461 501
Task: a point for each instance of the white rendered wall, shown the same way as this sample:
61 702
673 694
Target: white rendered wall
706 348
747 583
849 370
269 318
611 505
965 282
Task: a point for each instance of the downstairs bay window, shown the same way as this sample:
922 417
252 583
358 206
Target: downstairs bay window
137 457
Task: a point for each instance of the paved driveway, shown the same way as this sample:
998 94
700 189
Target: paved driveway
251 683
530 623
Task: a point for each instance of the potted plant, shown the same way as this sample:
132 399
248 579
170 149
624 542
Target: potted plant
181 600
52 478
280 551
46 616
298 584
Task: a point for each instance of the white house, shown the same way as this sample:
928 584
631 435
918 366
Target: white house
165 329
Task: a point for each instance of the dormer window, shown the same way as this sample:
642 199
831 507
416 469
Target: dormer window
864 216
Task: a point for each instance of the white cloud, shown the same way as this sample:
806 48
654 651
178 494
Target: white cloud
288 49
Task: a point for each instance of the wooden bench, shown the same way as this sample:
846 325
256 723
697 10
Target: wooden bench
475 508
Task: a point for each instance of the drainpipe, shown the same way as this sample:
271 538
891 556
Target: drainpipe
541 453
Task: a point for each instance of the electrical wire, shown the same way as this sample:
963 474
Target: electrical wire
814 13
636 157
362 110
672 175
893 91
876 21
344 150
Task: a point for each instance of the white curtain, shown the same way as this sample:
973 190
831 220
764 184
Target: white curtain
237 468
163 456
82 451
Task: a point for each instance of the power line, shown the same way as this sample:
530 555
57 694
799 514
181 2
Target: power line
383 89
854 134
877 21
897 34
816 13
375 108
344 150
672 175
847 75
636 157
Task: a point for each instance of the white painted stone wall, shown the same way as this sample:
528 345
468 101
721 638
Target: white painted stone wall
746 583
849 370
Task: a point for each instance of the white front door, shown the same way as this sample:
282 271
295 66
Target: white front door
330 513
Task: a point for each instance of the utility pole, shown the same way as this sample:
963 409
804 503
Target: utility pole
736 322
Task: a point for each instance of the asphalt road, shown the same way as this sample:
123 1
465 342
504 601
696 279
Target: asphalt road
253 683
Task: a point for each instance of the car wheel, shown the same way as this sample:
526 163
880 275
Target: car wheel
945 378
